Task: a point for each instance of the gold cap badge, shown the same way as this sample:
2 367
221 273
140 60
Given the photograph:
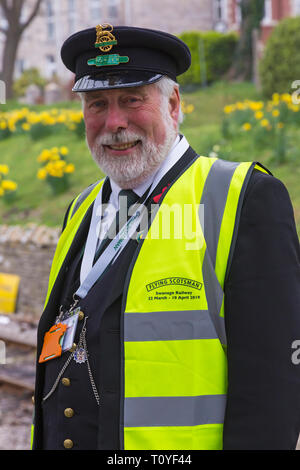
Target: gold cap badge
105 39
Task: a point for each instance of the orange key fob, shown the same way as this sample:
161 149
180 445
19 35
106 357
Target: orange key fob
51 346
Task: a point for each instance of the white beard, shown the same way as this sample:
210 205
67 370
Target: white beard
129 171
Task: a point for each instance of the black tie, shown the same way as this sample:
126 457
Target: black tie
127 198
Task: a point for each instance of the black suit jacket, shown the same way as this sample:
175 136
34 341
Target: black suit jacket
262 316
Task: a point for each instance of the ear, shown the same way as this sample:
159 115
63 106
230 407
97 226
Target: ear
174 105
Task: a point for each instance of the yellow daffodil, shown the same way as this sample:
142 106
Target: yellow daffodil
229 109
42 174
286 97
275 113
259 115
44 156
63 150
9 185
4 169
70 168
264 123
247 126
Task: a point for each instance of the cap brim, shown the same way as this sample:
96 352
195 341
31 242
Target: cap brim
123 79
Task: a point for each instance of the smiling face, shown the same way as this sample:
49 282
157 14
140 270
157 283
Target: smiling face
130 130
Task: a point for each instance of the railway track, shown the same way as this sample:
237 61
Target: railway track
19 337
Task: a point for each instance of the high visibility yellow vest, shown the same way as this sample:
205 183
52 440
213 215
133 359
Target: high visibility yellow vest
174 367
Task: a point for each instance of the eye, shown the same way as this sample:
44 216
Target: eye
97 105
132 101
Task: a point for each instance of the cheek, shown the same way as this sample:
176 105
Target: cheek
159 131
92 127
152 125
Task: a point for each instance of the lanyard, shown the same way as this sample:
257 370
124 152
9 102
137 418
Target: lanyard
90 273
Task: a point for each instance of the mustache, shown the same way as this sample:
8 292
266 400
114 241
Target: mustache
121 137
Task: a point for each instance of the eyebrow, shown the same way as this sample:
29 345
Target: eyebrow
91 95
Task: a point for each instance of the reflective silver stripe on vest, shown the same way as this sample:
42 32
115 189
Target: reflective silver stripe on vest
174 411
214 296
214 199
82 197
172 325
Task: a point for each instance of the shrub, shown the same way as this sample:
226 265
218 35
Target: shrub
217 49
28 77
266 122
55 170
8 188
280 65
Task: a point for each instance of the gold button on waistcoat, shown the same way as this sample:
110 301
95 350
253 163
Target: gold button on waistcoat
68 444
69 413
80 316
74 346
66 382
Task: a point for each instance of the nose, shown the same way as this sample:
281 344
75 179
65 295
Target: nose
116 119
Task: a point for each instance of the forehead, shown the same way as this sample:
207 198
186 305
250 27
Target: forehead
145 90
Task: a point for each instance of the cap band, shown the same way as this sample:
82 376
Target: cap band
111 81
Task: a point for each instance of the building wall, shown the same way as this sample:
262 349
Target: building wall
57 19
174 17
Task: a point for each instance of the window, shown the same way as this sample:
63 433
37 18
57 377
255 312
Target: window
50 19
20 67
50 30
95 10
219 10
296 7
238 12
71 5
49 9
50 66
267 19
3 20
220 15
113 9
72 16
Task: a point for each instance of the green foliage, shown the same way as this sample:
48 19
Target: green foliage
216 48
28 77
280 65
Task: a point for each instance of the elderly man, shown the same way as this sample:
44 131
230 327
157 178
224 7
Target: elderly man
158 335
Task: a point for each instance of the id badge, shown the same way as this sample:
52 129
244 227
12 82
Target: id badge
52 339
71 323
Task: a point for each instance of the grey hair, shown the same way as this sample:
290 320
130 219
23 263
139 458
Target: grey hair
166 86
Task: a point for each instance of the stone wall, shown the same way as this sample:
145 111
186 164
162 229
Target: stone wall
28 252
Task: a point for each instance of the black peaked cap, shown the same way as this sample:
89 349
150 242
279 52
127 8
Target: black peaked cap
138 56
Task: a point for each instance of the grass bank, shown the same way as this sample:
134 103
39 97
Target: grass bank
35 202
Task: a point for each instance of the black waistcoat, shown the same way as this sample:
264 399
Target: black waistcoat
103 342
